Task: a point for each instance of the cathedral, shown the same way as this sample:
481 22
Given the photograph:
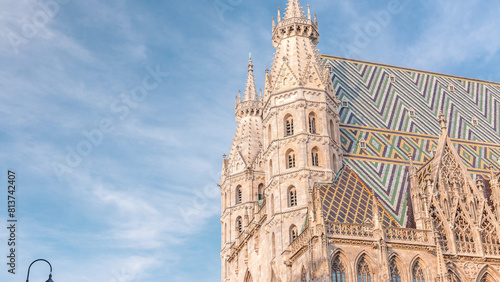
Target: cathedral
347 170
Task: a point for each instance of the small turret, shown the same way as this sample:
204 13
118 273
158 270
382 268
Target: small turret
250 90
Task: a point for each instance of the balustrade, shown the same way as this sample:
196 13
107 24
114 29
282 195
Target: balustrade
301 241
347 229
406 234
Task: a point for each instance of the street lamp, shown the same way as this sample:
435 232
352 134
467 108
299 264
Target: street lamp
50 275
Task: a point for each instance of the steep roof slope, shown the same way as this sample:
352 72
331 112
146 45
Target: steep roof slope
381 99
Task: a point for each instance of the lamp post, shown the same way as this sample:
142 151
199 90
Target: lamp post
50 275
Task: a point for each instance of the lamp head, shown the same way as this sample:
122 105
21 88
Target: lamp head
50 278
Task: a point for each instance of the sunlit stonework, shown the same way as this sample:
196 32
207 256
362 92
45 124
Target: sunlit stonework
345 170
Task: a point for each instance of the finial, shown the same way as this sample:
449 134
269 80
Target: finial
224 156
267 71
442 120
492 171
410 157
239 96
315 20
308 11
274 23
480 183
260 93
279 15
250 64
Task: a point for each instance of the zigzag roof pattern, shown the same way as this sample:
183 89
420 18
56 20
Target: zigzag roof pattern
369 85
380 99
348 200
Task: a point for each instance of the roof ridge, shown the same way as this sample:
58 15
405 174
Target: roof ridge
411 69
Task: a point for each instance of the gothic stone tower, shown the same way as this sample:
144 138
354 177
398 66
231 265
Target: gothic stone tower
284 143
357 182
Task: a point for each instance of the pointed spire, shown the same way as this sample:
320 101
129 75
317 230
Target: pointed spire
315 20
442 120
375 214
412 166
274 23
250 90
308 11
294 10
239 96
279 15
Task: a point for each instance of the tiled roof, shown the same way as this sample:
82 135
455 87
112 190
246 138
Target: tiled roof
379 109
348 200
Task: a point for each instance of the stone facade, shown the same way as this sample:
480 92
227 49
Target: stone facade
286 215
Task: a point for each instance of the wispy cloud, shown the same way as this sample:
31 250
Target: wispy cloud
149 189
456 32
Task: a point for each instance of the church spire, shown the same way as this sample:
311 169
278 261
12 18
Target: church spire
250 90
293 10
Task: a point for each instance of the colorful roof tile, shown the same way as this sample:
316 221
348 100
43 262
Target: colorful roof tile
348 200
395 110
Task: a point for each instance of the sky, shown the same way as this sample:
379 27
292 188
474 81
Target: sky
115 116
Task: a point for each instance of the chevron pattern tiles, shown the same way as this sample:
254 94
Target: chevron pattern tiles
382 100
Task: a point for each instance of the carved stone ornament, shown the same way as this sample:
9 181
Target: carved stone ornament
471 269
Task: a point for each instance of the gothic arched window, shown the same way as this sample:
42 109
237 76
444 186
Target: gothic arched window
489 236
338 270
418 273
332 129
293 233
487 278
312 123
292 197
260 191
239 226
238 194
452 276
290 157
395 275
363 271
314 157
288 125
269 134
463 234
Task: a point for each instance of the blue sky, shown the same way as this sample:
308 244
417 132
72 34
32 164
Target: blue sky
141 203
